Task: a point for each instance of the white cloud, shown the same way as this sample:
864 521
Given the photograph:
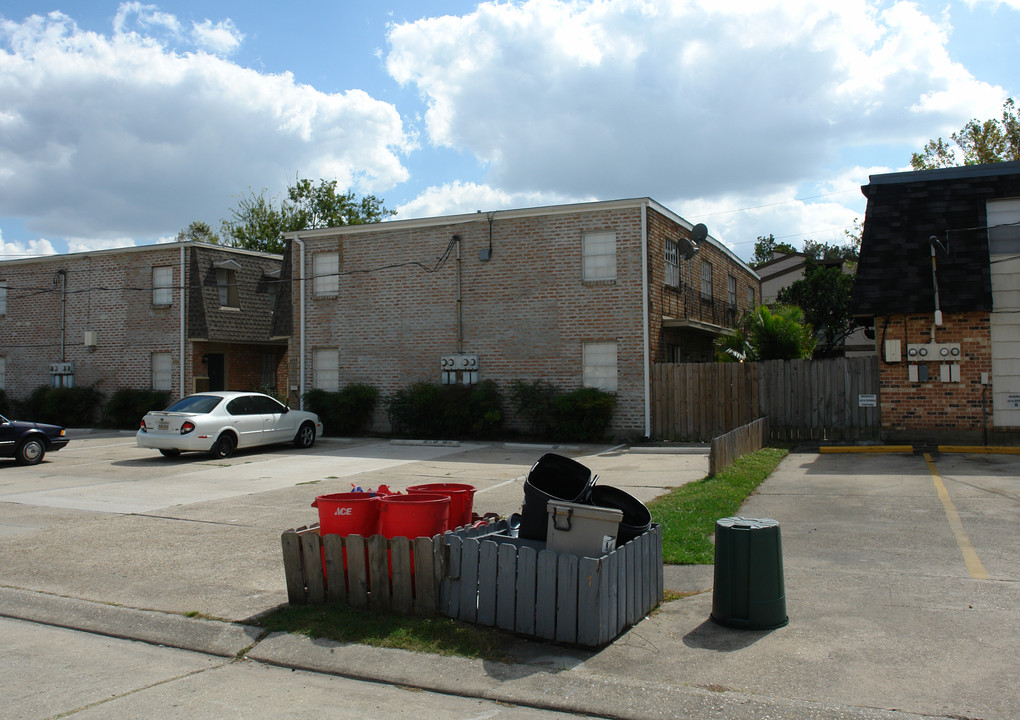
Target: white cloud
220 38
467 197
33 248
1013 4
107 136
684 100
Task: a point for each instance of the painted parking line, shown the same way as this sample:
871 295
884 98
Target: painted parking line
974 566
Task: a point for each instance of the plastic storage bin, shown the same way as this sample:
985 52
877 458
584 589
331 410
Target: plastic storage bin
582 530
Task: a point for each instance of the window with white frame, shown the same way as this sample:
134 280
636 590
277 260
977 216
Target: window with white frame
226 284
162 285
731 290
3 297
706 280
750 298
1003 226
600 365
599 250
162 371
326 369
326 274
672 264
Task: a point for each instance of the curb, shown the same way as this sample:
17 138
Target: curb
557 681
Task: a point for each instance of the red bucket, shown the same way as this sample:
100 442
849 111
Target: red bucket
355 513
462 500
414 515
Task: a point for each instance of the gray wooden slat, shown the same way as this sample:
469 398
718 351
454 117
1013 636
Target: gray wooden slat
357 572
449 600
589 599
487 553
607 608
336 576
527 577
311 552
566 598
378 573
506 586
401 579
469 580
630 560
621 588
292 568
660 584
425 600
545 599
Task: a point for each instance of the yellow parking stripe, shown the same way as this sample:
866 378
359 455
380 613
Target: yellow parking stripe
974 566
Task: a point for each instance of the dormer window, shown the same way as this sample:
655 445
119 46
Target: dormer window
226 282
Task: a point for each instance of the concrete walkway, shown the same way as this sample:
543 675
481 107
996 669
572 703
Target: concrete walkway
902 581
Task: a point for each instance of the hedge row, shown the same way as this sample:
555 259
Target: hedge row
421 409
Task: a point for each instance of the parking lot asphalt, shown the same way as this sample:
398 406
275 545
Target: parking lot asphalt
901 576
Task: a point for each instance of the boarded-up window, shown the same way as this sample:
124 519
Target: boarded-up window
600 365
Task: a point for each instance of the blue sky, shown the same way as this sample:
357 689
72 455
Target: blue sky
121 123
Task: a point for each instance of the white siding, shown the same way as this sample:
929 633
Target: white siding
1005 312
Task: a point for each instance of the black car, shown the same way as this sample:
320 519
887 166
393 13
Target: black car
27 442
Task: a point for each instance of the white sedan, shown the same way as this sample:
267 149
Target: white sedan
220 422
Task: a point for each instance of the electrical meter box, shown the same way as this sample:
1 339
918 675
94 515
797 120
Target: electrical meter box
928 352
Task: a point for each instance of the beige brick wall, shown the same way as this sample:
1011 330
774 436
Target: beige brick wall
109 294
527 312
935 406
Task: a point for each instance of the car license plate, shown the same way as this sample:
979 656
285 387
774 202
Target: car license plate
164 425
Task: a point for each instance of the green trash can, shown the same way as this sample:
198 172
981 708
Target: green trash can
749 592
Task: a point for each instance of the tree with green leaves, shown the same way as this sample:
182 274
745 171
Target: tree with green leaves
198 231
823 294
990 141
776 333
258 223
766 247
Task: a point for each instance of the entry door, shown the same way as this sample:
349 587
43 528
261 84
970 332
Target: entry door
217 375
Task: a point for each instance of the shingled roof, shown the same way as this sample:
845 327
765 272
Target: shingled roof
905 210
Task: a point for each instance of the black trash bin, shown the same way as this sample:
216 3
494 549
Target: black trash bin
553 477
749 591
636 518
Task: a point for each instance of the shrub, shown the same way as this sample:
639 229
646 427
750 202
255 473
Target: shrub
347 412
582 415
128 406
533 402
446 411
70 407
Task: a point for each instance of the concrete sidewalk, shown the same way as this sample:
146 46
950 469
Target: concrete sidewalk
886 616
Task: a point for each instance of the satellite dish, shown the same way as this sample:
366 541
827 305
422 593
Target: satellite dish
686 248
698 233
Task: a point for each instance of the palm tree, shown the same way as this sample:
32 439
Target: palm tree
777 333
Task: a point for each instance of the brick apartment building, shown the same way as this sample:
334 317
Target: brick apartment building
124 318
578 295
938 282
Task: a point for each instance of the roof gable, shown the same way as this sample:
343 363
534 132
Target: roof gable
905 211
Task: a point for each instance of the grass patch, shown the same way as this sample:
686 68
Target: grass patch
441 636
688 514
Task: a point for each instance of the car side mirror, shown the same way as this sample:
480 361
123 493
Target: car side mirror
286 409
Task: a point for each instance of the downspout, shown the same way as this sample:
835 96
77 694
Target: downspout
460 300
184 295
644 318
62 274
301 322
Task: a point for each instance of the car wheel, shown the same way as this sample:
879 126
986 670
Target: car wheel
305 437
30 452
224 446
170 453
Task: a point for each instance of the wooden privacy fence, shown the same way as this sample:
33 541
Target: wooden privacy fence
725 449
833 399
481 576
